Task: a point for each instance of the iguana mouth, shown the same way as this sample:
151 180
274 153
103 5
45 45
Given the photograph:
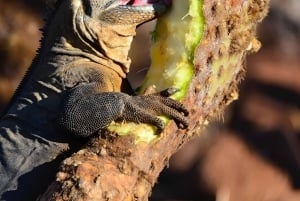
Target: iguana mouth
145 2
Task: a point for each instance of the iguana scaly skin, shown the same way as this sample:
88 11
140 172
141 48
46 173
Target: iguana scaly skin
74 88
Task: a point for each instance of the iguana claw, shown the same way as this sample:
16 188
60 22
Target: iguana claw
146 108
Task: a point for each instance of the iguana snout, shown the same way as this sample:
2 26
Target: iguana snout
133 11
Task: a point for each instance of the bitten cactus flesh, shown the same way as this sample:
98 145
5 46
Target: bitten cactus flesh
175 38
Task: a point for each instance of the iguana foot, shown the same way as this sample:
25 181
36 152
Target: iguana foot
85 112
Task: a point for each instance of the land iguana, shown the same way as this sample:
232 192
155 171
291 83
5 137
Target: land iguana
74 88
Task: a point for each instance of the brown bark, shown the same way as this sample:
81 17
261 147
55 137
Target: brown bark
113 168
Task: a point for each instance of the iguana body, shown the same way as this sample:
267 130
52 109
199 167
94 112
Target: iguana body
74 87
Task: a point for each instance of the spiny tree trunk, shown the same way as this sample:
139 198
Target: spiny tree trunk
114 168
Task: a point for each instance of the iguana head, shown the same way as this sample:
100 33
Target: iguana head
125 11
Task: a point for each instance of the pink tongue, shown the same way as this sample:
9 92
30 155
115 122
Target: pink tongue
146 2
136 2
141 2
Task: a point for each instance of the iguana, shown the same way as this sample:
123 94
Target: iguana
74 88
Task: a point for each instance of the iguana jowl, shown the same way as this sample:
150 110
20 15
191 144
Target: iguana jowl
74 87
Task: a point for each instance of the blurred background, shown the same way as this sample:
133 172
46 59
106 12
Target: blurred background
252 154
